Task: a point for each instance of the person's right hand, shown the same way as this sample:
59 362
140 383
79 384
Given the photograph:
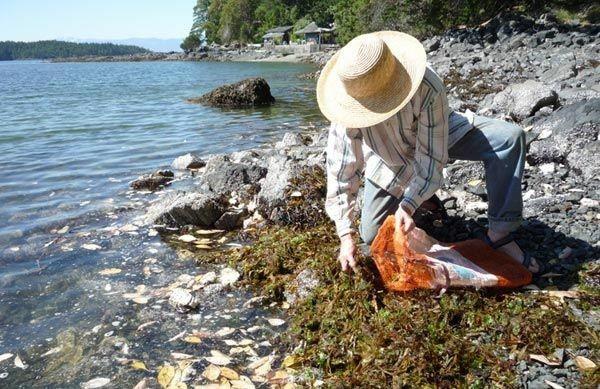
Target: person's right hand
347 253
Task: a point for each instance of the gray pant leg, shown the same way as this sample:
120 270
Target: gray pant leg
501 147
378 205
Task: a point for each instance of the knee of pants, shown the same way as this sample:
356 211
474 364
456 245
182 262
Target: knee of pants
368 232
515 135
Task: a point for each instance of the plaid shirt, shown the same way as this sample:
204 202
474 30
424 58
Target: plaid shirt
404 155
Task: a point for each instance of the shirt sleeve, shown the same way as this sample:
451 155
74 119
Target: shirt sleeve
431 150
345 162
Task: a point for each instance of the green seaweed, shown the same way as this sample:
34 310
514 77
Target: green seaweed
355 334
360 335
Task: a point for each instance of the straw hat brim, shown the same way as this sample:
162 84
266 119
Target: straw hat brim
339 107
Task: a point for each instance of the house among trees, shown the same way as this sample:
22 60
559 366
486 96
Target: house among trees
317 35
278 35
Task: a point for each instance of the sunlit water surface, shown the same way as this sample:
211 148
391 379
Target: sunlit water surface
72 138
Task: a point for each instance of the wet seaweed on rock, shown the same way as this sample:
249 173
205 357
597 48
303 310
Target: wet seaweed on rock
304 198
356 334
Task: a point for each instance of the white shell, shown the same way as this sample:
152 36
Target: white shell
182 299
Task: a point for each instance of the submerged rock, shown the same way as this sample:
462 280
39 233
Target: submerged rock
183 208
153 181
251 92
183 299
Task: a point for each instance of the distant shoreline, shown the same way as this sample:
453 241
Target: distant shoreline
217 55
47 49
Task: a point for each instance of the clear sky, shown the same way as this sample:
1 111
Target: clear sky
30 20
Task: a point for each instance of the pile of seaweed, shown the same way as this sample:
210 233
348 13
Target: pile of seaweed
350 332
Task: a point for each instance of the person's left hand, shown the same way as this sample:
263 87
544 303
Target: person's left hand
404 220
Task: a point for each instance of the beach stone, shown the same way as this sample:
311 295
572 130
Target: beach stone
305 282
250 92
228 276
585 161
230 220
183 208
222 176
537 384
432 44
153 181
590 203
524 99
188 161
279 172
212 289
290 139
575 130
559 73
183 299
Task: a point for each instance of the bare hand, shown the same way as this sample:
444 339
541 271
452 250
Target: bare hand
347 253
404 220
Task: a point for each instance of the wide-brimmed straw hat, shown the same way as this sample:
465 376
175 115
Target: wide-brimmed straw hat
371 78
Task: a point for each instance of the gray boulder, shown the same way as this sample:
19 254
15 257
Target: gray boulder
293 191
574 95
585 160
188 161
223 176
281 169
525 99
230 220
251 92
182 208
570 135
559 73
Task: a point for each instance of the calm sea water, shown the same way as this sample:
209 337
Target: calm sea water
76 132
72 137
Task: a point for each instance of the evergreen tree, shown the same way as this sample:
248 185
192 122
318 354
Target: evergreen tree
190 43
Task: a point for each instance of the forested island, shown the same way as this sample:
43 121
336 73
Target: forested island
10 50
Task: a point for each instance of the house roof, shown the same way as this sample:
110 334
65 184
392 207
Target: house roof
282 29
313 28
273 35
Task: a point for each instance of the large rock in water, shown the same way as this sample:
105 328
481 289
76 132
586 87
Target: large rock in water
182 208
525 99
251 92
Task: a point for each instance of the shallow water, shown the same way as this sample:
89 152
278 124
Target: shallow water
72 137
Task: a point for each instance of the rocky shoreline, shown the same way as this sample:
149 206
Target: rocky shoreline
214 53
346 331
541 74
